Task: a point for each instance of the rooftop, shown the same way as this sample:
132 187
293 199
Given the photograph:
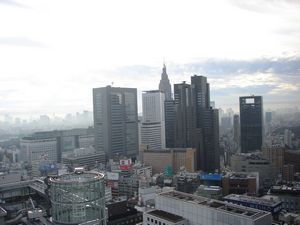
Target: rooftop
217 205
250 199
166 216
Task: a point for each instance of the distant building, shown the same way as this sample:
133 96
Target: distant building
164 84
65 140
293 157
268 172
153 122
287 139
288 173
275 154
268 118
84 157
199 210
174 157
251 122
236 130
116 121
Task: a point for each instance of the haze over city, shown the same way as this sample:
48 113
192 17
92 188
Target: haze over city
53 53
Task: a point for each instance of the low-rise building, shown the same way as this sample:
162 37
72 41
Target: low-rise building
270 205
203 211
174 157
160 217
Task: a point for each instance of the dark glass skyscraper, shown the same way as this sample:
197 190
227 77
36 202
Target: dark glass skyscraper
251 122
116 121
197 124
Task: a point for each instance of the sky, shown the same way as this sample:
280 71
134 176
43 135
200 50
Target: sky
53 52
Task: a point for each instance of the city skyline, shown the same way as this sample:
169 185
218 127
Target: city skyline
253 49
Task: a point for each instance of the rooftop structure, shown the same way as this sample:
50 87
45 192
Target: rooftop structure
165 216
184 205
270 205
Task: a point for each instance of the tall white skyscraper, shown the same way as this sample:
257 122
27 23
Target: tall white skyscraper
153 122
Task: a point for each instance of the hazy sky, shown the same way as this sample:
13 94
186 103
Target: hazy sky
53 52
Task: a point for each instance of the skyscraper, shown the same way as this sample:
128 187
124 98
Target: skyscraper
197 124
116 121
207 123
251 122
153 123
236 130
164 84
170 118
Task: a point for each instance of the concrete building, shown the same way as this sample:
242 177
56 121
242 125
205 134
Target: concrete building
288 194
203 211
116 121
275 154
160 217
254 162
66 140
288 173
292 157
153 122
251 120
84 157
174 157
240 183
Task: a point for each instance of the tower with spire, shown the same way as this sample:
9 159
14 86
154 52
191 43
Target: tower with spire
164 84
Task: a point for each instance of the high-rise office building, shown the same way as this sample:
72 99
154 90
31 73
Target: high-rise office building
153 122
207 123
236 129
116 121
170 118
164 84
251 122
184 120
197 124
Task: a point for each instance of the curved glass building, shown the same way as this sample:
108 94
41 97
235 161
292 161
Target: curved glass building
78 197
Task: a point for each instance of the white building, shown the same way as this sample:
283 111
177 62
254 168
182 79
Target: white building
153 122
203 211
37 150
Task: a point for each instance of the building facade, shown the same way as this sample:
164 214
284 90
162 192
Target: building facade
174 157
116 121
153 122
197 124
251 122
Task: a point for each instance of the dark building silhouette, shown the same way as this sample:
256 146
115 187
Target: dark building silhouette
207 125
116 121
251 122
170 118
197 124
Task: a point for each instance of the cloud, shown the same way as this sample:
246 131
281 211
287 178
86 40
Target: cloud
20 42
13 3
